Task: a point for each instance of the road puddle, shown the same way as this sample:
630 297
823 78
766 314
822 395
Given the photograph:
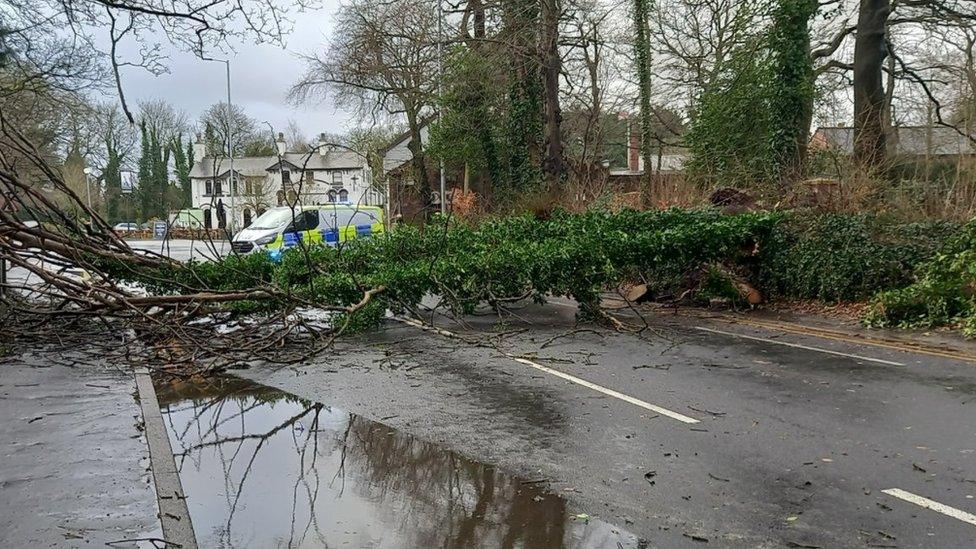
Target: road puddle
264 468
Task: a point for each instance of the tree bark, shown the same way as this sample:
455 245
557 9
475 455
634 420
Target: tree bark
478 7
870 52
554 164
642 60
416 148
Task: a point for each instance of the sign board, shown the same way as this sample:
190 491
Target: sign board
128 181
159 229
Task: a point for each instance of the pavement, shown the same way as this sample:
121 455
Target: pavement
74 467
694 431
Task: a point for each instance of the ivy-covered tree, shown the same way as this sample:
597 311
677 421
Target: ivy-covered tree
791 88
524 127
642 64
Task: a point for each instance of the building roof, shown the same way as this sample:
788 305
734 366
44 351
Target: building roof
255 166
910 140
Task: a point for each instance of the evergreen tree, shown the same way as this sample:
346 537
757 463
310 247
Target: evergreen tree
182 162
113 181
144 192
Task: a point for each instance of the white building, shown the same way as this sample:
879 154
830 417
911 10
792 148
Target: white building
319 176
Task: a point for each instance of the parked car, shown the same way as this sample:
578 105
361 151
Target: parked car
125 227
281 228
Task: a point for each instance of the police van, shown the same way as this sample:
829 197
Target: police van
284 227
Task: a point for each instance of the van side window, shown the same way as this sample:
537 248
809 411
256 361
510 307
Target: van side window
329 219
363 218
305 221
343 216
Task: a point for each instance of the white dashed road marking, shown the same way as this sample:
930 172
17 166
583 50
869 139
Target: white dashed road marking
932 505
798 346
568 377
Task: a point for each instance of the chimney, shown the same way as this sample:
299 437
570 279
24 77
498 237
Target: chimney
321 145
199 148
280 144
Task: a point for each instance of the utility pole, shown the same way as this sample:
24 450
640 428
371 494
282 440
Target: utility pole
440 94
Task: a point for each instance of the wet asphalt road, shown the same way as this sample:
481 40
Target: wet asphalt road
793 446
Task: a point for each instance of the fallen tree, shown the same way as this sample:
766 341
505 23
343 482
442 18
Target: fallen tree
202 315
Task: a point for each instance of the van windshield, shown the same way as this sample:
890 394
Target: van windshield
275 218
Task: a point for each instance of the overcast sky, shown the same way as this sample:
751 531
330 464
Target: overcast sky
260 78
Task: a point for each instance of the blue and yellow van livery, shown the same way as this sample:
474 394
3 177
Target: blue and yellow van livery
279 229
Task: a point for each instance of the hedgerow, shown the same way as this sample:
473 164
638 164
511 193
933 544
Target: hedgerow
942 294
835 257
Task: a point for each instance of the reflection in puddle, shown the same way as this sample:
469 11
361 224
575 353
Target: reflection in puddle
263 468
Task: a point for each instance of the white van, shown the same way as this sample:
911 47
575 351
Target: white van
281 228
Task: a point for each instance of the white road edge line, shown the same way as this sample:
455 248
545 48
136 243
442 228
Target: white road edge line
609 392
798 346
932 505
568 377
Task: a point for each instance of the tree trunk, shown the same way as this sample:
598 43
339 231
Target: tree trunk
478 7
416 148
792 103
554 163
870 52
642 61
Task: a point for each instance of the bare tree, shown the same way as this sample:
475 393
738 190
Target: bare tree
382 61
58 42
870 51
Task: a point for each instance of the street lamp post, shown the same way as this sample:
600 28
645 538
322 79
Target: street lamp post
91 219
440 94
230 154
88 172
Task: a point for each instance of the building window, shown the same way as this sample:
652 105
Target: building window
343 196
247 217
207 218
208 188
309 178
218 188
337 178
234 186
285 177
332 196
